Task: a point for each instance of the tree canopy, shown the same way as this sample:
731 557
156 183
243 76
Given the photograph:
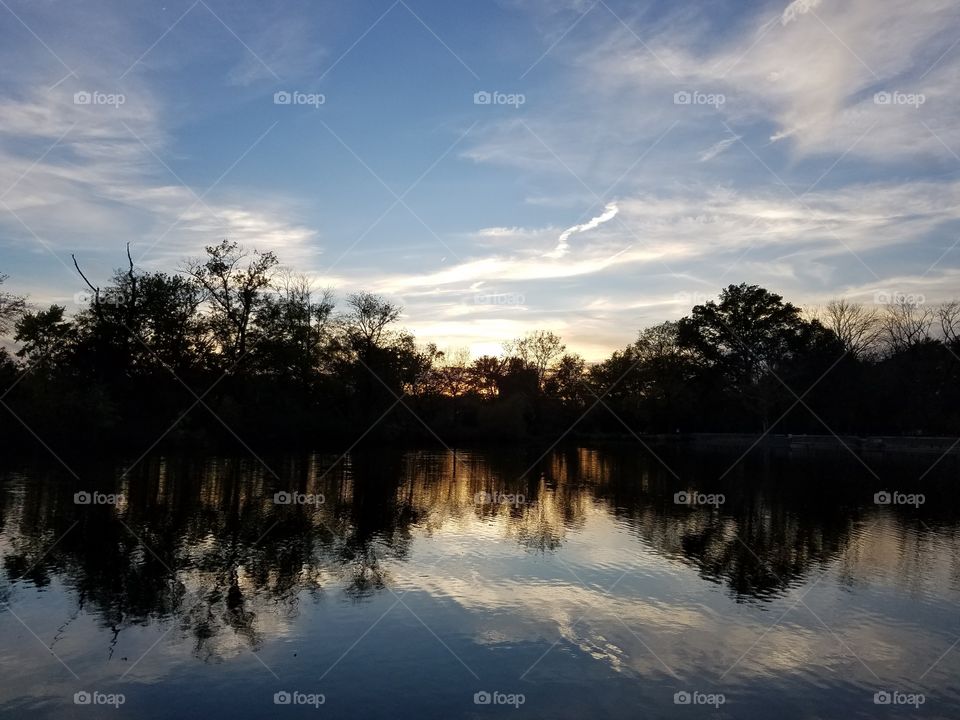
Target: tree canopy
236 346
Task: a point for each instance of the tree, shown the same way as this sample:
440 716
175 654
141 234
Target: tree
565 381
649 385
616 379
142 322
370 318
536 350
857 327
738 363
746 339
46 337
376 361
747 333
455 374
487 374
234 291
906 324
660 345
294 325
667 372
11 307
167 319
949 316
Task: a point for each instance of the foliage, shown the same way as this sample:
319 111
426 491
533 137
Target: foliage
236 347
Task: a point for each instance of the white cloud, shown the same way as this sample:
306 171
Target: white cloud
686 246
810 71
89 178
563 246
608 127
719 147
796 9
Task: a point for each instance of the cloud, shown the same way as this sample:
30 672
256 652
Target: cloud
563 245
84 176
712 229
812 82
718 147
281 47
798 80
688 244
796 9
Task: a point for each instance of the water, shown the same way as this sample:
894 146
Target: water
582 590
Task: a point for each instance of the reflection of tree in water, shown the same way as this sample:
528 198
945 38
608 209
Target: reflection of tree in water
768 536
206 559
204 546
379 524
770 533
552 509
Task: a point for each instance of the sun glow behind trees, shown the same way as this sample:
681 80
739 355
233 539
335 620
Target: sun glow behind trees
260 349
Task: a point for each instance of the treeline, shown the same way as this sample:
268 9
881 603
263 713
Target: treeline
232 347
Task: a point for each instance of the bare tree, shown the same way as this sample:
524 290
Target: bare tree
537 350
11 307
906 324
949 316
294 325
313 309
857 327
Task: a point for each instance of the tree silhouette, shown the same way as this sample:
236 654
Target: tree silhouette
235 346
11 307
234 292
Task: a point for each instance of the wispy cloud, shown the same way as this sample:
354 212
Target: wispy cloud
797 8
87 162
799 178
718 147
563 245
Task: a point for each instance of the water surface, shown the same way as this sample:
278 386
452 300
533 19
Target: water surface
411 583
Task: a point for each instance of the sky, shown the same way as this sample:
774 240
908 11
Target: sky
590 167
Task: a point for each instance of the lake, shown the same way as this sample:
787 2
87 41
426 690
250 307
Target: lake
601 582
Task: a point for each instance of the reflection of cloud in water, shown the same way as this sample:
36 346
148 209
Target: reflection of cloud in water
698 587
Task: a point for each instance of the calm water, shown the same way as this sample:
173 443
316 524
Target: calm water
390 589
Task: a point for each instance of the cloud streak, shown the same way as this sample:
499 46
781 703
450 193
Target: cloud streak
718 148
563 244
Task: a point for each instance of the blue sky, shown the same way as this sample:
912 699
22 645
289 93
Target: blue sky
638 157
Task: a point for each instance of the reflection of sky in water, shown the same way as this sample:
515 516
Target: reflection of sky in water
402 596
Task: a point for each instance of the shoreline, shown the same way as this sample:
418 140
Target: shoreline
861 444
